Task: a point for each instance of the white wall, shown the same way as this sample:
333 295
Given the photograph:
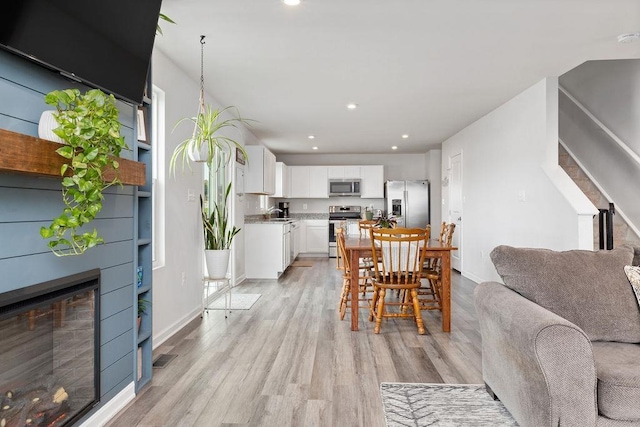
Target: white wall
508 196
174 304
434 173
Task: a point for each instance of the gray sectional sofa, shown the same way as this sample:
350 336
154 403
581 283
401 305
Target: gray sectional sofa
560 337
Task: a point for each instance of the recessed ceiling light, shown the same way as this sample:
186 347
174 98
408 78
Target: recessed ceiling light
628 38
314 148
395 147
311 136
291 2
405 136
352 106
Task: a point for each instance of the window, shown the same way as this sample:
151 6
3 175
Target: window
158 175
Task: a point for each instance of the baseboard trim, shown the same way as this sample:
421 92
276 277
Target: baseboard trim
472 277
161 337
111 408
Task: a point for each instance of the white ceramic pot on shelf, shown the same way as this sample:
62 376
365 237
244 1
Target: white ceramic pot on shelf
46 125
217 263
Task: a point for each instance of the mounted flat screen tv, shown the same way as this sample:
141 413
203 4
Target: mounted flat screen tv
105 44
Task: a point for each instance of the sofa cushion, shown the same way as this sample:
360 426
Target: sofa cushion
618 372
633 274
588 288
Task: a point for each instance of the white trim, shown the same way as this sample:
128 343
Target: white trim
612 135
599 187
472 277
160 338
111 408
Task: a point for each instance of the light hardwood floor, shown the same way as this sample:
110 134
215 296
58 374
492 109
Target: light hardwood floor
289 361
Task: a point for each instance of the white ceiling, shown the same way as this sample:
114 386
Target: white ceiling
426 68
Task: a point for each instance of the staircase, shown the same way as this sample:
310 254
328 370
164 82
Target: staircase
622 233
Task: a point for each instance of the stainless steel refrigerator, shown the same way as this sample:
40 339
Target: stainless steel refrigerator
408 201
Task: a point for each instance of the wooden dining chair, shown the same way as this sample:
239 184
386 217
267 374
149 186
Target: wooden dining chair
397 258
364 277
364 225
339 264
431 290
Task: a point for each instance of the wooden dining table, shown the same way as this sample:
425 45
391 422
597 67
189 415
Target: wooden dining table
360 247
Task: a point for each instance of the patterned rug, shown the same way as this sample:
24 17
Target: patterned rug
238 301
450 405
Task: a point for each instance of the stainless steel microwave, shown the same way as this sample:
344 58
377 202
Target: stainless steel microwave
346 187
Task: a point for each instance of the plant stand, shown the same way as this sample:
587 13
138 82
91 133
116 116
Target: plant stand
223 286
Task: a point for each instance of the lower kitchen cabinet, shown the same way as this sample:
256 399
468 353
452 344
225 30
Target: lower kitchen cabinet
316 236
268 250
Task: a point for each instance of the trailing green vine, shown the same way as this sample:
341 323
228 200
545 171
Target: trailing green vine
89 125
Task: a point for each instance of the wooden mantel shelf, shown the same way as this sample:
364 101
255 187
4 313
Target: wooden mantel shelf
29 155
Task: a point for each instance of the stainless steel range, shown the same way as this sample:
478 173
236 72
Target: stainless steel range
350 215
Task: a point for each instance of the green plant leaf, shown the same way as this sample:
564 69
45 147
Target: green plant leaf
88 123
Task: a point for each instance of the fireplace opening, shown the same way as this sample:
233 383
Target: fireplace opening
50 353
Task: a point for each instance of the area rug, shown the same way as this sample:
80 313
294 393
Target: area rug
302 264
238 301
442 405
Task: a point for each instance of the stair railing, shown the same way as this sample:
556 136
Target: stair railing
617 140
602 126
605 227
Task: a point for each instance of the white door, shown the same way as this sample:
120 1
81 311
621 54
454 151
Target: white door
455 208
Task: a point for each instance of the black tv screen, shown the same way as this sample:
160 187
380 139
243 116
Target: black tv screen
105 44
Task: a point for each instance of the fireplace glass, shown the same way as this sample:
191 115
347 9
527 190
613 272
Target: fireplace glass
49 353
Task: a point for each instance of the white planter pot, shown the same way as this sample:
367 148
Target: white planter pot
46 125
217 262
199 156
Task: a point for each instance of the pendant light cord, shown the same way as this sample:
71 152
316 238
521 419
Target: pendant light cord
202 73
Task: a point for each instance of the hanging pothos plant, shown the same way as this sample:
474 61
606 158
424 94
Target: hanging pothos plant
89 125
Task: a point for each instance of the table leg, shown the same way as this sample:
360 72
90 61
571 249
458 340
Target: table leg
446 291
355 289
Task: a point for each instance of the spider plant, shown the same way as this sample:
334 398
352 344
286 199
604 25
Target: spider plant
206 138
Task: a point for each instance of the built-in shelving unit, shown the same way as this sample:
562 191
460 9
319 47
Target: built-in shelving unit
29 155
143 243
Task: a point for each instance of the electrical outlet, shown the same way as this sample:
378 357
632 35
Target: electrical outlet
184 278
191 195
304 206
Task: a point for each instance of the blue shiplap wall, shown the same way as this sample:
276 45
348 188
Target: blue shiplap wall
27 203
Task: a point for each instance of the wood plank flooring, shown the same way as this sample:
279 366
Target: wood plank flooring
290 361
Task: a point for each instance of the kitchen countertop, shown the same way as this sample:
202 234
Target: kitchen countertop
259 219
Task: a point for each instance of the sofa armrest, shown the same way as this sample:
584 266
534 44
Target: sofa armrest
538 364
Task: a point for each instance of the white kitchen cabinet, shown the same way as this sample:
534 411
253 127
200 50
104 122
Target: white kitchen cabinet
295 240
302 237
299 188
282 180
318 182
260 170
343 172
317 234
372 182
308 182
267 249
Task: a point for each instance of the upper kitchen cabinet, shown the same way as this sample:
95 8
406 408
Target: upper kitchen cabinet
344 172
372 182
308 182
282 180
260 173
